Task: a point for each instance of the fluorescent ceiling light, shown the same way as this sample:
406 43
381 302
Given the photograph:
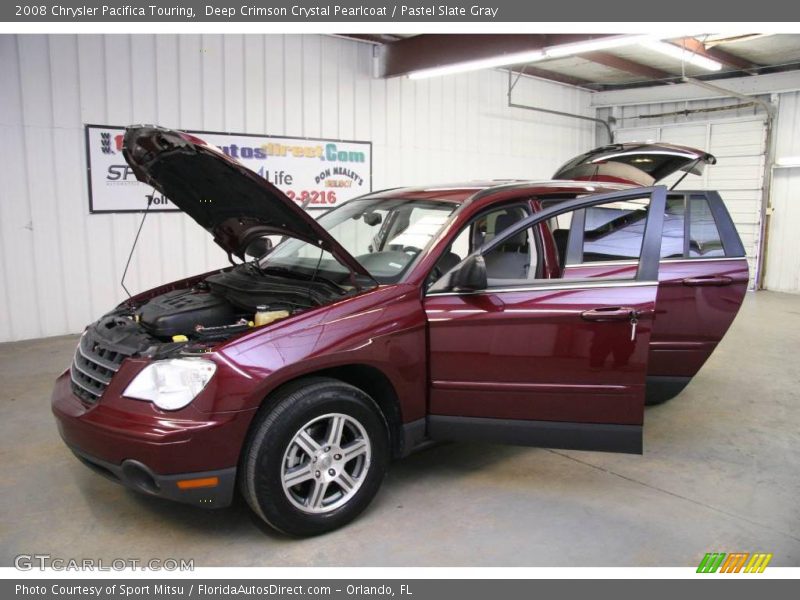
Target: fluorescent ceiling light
599 44
484 63
682 54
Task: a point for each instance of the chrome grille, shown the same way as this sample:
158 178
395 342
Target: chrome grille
92 368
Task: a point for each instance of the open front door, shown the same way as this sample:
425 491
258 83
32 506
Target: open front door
544 362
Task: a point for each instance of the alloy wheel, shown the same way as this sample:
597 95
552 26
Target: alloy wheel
325 463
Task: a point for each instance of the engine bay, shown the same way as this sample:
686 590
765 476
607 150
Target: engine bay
195 318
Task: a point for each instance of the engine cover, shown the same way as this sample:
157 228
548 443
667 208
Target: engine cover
179 311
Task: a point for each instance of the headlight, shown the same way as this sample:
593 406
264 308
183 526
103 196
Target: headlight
171 384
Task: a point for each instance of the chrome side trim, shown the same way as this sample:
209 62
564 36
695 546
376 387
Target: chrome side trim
605 263
599 283
719 258
621 263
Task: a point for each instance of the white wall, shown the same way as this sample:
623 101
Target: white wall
60 266
783 242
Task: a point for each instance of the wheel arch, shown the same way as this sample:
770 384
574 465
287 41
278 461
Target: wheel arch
370 380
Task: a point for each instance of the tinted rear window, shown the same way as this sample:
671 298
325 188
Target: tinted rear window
615 232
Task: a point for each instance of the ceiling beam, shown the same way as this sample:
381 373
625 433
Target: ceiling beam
429 51
623 64
721 56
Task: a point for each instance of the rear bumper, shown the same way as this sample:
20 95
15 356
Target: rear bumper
209 489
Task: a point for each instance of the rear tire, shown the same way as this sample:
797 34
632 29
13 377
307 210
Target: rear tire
315 459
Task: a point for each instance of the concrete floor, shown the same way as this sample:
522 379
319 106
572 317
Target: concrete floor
721 472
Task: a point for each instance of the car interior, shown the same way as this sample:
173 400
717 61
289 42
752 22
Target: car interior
511 260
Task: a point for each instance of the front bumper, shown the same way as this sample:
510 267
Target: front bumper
209 489
152 451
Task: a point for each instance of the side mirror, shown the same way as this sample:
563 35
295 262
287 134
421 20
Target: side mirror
470 276
259 247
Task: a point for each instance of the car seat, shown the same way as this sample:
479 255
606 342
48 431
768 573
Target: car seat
511 259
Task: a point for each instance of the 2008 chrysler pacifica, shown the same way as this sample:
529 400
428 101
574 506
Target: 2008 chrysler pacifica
543 313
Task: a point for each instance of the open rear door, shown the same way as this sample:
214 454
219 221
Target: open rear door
636 163
545 362
703 278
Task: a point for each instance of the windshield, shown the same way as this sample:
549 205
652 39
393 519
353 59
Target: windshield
384 236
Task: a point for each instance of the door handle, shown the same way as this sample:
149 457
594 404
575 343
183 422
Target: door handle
715 280
610 313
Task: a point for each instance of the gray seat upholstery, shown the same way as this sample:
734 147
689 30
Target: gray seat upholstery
511 259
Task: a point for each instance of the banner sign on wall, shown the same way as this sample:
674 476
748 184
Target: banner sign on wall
320 173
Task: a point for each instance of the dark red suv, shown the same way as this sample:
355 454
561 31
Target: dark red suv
536 313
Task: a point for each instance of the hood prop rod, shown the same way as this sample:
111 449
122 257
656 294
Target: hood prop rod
135 240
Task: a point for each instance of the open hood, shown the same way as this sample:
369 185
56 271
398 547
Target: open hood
637 163
222 195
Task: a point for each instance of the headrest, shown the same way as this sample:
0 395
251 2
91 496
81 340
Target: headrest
505 221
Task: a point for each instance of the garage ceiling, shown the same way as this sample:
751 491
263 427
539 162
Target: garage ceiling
615 68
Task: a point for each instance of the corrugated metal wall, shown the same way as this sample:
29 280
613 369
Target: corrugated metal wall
60 267
783 243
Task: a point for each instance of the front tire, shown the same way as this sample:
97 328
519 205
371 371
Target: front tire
315 460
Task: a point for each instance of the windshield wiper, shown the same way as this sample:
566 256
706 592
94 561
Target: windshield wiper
297 275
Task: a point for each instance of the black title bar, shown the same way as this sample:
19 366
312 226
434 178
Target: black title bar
408 11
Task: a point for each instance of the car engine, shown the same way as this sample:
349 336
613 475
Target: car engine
210 311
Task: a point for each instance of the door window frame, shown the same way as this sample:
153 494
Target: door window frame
649 258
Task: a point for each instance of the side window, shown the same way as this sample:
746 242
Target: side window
704 238
614 231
